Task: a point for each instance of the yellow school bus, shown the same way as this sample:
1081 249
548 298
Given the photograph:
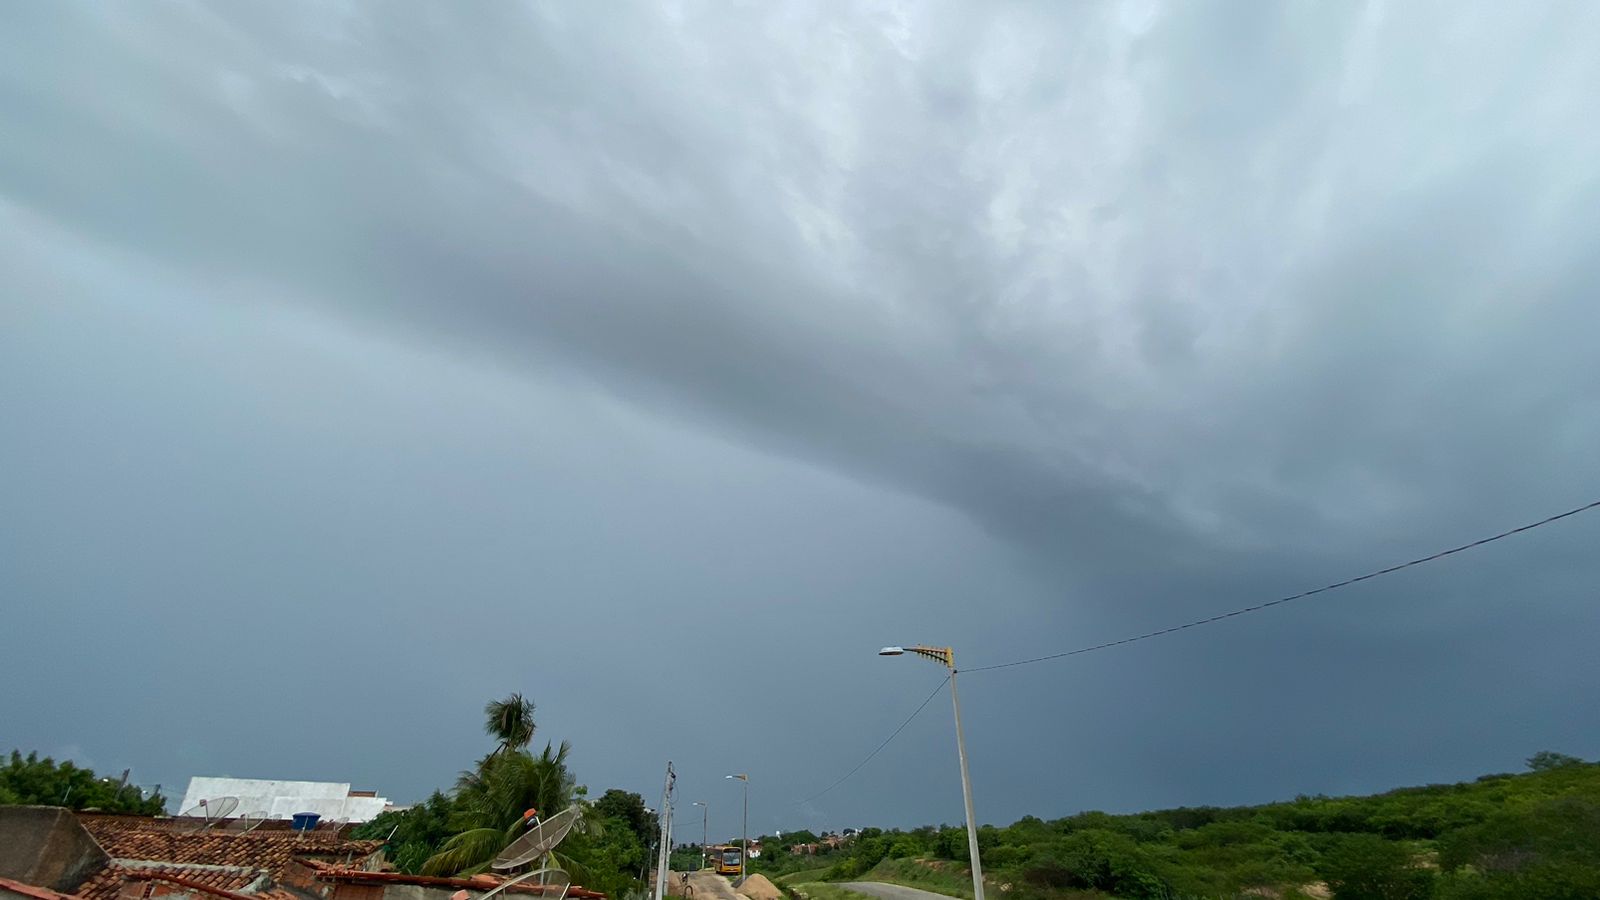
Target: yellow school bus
725 858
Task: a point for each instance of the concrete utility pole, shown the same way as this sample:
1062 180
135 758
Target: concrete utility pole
664 853
947 658
705 829
966 795
744 841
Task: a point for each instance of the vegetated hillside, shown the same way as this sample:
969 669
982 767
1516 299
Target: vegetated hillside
1534 835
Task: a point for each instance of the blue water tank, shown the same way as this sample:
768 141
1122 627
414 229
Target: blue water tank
304 821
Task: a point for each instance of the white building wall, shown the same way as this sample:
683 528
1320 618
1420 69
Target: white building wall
282 799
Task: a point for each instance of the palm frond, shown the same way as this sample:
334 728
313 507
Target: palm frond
575 868
510 722
467 850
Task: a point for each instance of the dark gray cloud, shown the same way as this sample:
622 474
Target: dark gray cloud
361 365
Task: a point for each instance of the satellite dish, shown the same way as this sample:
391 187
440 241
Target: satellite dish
252 821
539 840
550 879
335 825
193 818
218 809
210 811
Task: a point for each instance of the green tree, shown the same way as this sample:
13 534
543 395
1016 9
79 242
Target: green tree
685 858
629 811
1545 760
1550 851
951 843
31 780
1097 858
611 857
509 722
492 802
413 835
1367 867
790 838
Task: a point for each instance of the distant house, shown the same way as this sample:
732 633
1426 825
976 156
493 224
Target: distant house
270 799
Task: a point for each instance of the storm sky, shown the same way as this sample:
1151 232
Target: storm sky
362 363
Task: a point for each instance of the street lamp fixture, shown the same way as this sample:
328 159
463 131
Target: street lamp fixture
744 841
947 658
705 831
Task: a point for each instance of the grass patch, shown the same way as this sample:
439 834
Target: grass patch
803 876
938 876
816 890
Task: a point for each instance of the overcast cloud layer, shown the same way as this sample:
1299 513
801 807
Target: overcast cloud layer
358 365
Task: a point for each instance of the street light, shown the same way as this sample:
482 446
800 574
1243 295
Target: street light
705 831
947 658
744 841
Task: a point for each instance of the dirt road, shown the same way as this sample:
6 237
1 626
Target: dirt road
709 885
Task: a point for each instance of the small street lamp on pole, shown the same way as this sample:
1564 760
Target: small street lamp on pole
744 841
705 829
947 658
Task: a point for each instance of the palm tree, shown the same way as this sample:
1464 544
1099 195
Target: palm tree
510 722
492 800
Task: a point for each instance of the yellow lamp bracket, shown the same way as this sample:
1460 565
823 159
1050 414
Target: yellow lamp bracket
942 655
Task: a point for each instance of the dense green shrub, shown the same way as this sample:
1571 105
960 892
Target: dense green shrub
1367 867
1535 835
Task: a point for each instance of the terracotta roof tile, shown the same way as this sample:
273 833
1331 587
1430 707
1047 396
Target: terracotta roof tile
107 883
212 860
157 840
32 890
253 863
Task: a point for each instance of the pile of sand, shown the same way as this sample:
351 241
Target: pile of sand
757 887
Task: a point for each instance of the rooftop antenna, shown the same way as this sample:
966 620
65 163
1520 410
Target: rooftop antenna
336 824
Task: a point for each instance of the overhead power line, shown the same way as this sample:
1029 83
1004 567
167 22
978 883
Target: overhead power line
1300 596
876 750
1206 621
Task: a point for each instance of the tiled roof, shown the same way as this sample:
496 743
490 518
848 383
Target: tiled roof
156 841
213 861
233 865
107 883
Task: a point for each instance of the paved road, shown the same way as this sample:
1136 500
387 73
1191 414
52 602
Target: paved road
890 891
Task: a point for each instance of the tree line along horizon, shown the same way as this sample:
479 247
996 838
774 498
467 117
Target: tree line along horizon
1531 835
